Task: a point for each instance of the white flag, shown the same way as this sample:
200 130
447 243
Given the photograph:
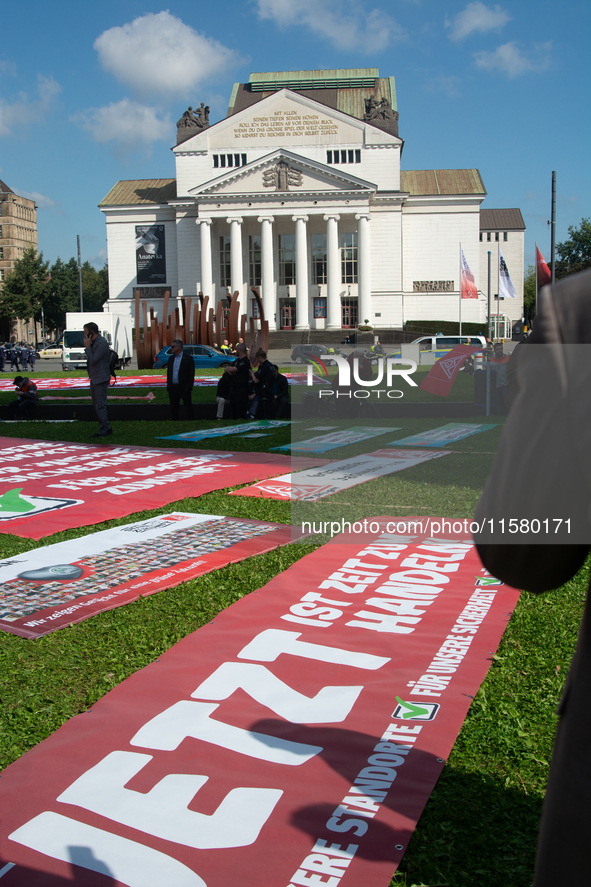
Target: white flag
506 288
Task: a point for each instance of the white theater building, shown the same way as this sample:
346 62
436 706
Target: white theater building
299 192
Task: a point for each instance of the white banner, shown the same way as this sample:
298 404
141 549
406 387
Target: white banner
316 483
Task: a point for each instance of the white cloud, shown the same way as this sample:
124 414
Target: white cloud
369 31
477 17
448 84
158 53
42 201
130 125
512 61
7 67
24 111
99 260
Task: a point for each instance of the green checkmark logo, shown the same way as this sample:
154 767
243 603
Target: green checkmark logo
410 710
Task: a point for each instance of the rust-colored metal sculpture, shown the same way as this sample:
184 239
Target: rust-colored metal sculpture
208 327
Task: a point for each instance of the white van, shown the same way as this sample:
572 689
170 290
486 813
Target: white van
446 343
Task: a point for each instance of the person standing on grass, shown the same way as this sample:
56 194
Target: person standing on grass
240 373
99 373
180 378
2 357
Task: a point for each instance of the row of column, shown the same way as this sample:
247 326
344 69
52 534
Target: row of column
333 266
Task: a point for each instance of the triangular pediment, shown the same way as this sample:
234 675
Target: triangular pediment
282 172
285 119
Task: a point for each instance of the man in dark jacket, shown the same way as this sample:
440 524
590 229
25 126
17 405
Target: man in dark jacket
180 378
97 361
541 482
27 398
240 373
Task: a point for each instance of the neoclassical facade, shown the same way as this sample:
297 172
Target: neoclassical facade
299 192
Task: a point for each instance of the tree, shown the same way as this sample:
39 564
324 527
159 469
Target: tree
529 293
575 253
64 291
25 287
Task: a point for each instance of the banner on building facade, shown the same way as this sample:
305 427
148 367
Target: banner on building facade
445 434
316 483
46 486
150 254
294 740
324 442
48 588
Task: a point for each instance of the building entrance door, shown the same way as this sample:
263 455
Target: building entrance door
287 316
349 314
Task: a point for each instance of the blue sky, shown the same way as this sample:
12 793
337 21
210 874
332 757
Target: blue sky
90 93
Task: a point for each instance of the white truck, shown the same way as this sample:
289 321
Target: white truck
115 328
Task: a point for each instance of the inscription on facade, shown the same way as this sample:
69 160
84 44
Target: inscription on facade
432 286
281 124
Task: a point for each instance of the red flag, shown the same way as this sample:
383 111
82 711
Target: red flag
468 285
543 272
441 378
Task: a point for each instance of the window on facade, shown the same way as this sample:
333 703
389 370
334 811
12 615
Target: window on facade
1 252
349 257
287 272
481 236
225 160
1 274
254 259
351 155
0 230
496 236
505 235
319 259
320 307
488 236
225 266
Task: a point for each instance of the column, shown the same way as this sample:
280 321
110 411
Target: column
363 268
267 272
236 273
206 268
302 299
333 273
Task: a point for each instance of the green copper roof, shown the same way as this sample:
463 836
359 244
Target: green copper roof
342 88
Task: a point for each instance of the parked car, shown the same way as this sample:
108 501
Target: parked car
204 357
50 351
303 353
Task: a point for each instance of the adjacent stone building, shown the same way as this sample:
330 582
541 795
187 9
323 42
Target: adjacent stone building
299 192
18 232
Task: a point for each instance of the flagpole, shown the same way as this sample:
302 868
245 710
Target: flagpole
536 267
460 305
499 290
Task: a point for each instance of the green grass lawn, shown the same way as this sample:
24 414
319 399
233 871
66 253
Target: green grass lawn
480 825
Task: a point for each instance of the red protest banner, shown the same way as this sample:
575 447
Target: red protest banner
57 585
294 740
46 486
441 377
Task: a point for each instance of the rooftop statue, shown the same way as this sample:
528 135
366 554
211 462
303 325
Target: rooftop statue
192 122
380 114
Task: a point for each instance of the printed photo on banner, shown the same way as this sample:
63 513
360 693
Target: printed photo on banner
51 587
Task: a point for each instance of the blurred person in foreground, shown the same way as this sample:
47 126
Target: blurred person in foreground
542 477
